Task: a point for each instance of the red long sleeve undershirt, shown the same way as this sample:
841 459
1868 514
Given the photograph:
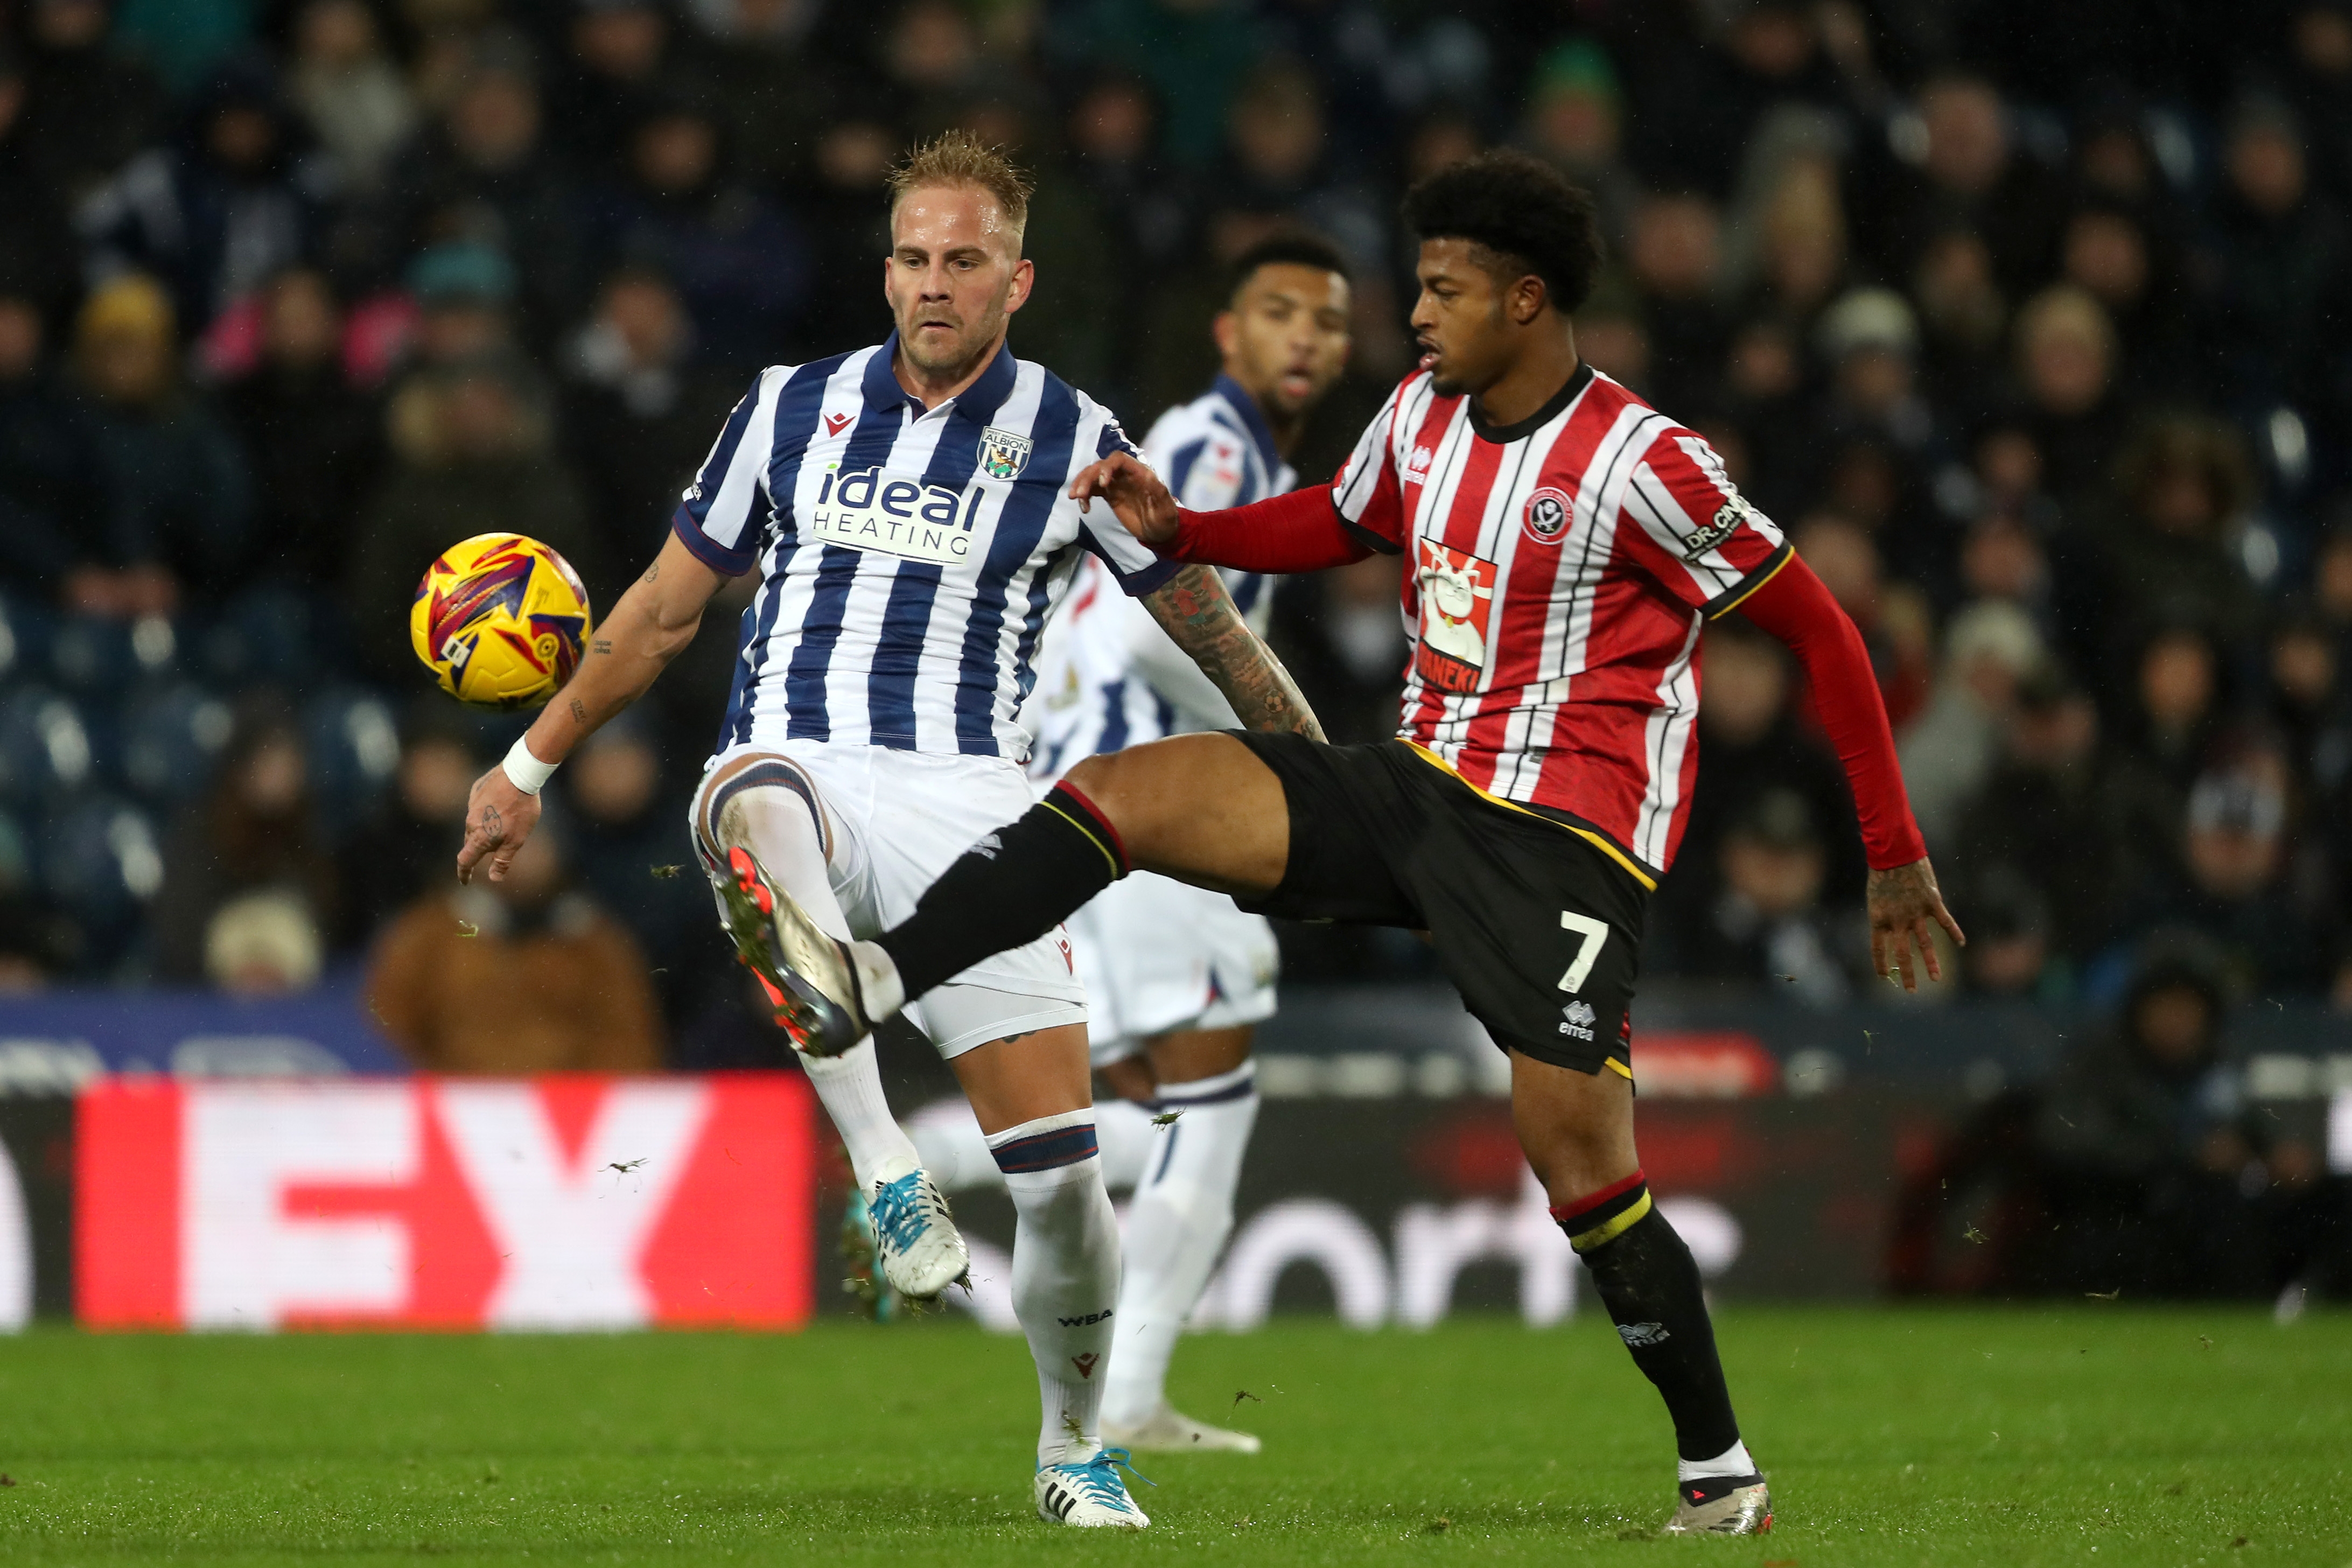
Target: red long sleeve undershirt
1796 608
1303 531
1298 531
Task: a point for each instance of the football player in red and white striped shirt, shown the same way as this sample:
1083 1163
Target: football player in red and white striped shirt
1561 547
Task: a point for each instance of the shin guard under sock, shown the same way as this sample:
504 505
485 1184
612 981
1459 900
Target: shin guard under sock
1647 1280
1010 888
1065 1273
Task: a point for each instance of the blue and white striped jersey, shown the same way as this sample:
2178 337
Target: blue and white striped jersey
1109 677
907 558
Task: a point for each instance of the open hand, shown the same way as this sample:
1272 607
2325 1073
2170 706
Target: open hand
1906 907
1140 502
499 817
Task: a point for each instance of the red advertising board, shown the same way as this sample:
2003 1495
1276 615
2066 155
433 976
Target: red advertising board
567 1202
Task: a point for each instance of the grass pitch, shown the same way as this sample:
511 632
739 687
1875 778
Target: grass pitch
2090 1434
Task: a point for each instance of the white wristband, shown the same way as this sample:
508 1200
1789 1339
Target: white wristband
525 772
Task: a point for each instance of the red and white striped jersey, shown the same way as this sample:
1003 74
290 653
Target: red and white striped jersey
1556 574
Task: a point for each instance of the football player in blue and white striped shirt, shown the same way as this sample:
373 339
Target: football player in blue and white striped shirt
908 510
1176 975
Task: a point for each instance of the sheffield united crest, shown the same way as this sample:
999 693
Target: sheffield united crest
1003 455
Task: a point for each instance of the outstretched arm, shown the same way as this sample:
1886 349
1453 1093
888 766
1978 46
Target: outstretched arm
652 622
1300 531
1906 905
1193 608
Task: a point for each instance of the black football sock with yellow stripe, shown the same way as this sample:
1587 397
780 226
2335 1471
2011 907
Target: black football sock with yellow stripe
1650 1284
1010 888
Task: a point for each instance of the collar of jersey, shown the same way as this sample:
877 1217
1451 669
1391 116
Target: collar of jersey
978 403
1503 435
1253 418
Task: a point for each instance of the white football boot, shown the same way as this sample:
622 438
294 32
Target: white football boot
1168 1430
922 1252
1088 1493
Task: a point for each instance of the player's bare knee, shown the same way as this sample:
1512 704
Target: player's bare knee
1107 782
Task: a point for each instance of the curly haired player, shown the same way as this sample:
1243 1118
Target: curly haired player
1562 546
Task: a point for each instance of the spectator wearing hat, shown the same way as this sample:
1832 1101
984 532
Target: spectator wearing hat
521 975
263 944
1575 121
178 494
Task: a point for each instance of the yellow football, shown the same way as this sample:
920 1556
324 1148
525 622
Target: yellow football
500 620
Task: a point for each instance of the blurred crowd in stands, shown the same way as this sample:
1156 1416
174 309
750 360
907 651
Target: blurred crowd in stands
2032 324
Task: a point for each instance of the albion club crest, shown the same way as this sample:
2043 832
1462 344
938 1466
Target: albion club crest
1003 455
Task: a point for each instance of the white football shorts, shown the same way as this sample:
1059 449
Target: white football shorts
900 820
1157 955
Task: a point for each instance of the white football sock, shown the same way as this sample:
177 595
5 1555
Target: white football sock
1065 1273
851 1087
1732 1461
1182 1213
774 822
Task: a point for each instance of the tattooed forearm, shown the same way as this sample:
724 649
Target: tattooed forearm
579 712
1200 618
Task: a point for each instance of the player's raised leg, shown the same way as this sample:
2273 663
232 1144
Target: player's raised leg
1182 1213
1200 808
760 827
1031 1095
1577 1128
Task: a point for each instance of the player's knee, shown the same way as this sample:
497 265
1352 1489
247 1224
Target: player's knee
1107 781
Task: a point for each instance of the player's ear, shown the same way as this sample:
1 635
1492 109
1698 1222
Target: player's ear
1527 300
1226 330
1025 277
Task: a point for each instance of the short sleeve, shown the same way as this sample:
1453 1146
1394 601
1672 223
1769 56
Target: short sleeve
1368 492
719 516
1693 529
1131 562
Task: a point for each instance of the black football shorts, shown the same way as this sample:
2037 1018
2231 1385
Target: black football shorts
1537 926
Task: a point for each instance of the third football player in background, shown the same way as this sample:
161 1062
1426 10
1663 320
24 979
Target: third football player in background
1176 976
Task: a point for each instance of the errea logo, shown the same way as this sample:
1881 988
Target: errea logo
1576 1019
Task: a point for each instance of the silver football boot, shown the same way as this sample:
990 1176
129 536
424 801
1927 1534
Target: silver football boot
1745 1510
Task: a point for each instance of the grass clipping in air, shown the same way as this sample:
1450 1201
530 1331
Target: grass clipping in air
1481 1442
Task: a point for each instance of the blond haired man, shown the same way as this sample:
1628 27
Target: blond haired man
907 507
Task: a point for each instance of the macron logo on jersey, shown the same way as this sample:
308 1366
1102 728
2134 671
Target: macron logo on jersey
891 514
